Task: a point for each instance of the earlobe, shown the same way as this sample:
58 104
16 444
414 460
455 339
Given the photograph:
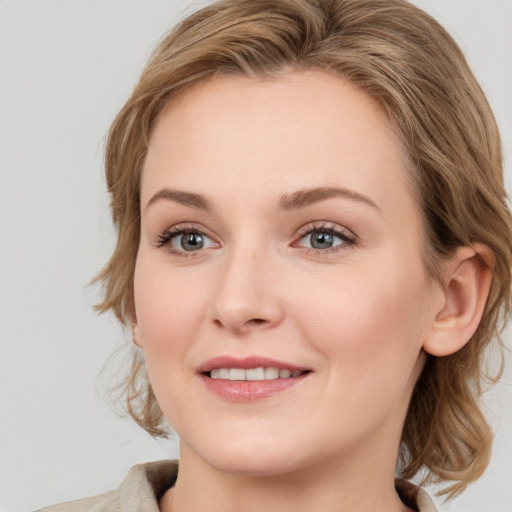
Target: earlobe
136 334
468 279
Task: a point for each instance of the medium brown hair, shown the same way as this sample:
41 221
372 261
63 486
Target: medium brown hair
406 61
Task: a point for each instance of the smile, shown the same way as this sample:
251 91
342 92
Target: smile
250 378
270 373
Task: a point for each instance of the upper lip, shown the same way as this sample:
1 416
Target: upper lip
247 363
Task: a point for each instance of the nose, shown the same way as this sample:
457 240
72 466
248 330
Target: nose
246 297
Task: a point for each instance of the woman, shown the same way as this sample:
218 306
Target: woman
313 254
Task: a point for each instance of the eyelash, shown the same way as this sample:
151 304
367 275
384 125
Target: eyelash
164 240
348 239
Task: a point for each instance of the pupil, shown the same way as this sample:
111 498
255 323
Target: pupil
192 241
321 240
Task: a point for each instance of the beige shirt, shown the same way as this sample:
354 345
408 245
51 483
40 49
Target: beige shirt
145 484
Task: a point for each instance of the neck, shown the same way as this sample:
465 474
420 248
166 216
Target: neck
338 484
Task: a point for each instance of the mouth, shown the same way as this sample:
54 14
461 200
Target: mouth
260 373
250 368
250 378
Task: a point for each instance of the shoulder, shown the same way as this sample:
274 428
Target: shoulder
140 490
103 502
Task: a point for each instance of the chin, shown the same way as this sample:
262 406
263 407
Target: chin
244 466
263 459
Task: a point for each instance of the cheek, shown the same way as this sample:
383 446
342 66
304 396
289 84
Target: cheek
169 312
368 324
168 307
370 338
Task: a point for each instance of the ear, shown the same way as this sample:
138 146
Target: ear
136 338
467 282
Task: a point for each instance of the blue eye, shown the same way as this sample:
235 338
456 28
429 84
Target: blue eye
187 240
324 239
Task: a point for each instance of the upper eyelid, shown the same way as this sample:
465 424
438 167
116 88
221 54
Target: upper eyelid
185 227
326 226
348 237
181 228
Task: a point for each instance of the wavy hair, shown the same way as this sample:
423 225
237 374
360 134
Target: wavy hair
405 60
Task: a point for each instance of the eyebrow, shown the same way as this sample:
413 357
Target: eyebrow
309 196
185 198
299 199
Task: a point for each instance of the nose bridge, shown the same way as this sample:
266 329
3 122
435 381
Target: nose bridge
245 298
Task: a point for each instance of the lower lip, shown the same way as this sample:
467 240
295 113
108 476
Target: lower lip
249 390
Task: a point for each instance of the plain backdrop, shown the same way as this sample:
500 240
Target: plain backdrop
66 68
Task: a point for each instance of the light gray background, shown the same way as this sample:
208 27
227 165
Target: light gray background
66 68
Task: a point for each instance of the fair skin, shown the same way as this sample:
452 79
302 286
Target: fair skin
237 260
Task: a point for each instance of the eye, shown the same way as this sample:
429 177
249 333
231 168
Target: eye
180 241
324 238
188 241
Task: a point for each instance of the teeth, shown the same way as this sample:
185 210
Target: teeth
252 373
255 374
223 373
271 373
236 374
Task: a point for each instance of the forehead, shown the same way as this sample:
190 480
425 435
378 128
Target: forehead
303 129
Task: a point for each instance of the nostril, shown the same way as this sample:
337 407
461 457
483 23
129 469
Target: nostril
256 321
243 326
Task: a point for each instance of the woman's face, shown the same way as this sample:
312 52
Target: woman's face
279 231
